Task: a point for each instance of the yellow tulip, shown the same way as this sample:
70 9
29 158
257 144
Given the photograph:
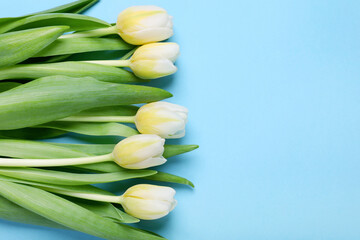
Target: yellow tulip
148 202
161 118
139 25
140 151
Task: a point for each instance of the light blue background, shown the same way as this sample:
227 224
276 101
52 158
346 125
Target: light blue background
273 93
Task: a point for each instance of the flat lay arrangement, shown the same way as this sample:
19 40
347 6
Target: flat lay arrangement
45 93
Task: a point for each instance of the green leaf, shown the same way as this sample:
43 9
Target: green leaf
66 178
128 110
33 149
73 7
70 69
12 212
167 177
31 133
80 45
4 86
173 150
55 97
102 208
93 129
18 46
69 214
90 149
76 22
106 210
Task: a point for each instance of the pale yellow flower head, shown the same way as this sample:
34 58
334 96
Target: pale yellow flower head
148 202
167 120
155 60
139 25
140 151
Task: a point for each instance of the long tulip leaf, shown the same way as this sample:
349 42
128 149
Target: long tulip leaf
55 97
102 208
69 214
70 69
13 212
80 45
90 149
167 177
93 129
34 149
76 22
18 46
31 133
4 86
127 110
73 7
66 178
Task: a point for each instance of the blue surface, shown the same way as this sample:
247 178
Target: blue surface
273 93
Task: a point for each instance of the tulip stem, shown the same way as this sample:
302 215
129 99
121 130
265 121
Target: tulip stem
92 33
11 162
88 196
123 119
114 63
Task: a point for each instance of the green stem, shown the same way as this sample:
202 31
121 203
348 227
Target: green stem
123 119
93 33
114 63
88 196
11 162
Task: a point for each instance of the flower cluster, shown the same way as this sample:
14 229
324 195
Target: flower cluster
90 97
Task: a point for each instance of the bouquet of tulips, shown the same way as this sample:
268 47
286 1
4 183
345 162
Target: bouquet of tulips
49 87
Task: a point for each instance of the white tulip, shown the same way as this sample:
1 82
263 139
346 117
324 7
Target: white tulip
144 24
148 202
154 60
161 118
140 151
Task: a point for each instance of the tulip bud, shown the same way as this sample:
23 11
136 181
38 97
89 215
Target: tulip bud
140 151
148 202
161 118
139 25
154 60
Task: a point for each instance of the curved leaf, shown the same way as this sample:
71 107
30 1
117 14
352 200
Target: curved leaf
94 129
66 178
127 110
80 45
18 46
33 149
167 177
31 133
13 212
70 69
104 209
76 22
55 97
73 7
4 86
69 214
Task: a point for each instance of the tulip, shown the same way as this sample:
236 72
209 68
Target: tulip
137 25
143 201
166 120
148 202
161 118
140 151
135 152
149 61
